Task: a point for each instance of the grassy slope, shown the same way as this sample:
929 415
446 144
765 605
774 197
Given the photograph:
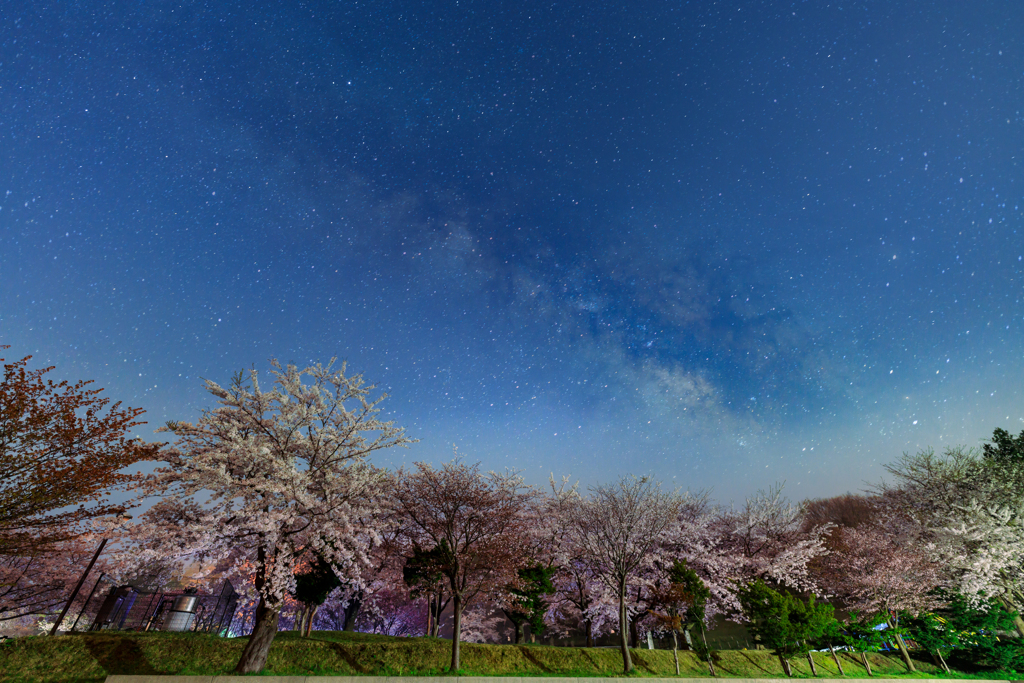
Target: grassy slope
89 658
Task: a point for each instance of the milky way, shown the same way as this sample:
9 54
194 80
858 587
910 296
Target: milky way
726 244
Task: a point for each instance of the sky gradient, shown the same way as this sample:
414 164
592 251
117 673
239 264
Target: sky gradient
723 243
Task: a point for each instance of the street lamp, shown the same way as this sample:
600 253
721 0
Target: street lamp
74 594
87 601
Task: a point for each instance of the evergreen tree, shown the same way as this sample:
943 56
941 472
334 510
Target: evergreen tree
982 633
784 622
312 586
424 575
863 635
529 606
932 633
1005 448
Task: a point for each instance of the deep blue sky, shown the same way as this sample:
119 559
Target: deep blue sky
726 243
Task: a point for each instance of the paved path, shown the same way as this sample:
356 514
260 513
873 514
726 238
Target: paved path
486 679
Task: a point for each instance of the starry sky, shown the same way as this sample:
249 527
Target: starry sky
723 243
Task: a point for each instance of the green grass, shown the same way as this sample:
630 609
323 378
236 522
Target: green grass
89 658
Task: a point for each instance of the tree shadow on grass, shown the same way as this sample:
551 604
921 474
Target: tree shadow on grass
120 656
347 654
757 665
638 660
590 658
854 658
533 658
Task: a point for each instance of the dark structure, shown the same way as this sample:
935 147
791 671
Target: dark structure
127 608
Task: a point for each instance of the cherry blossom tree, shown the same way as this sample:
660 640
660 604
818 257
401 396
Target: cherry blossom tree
389 610
273 475
578 602
984 546
616 528
766 540
876 573
480 522
965 508
482 623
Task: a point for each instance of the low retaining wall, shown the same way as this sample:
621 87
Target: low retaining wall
482 679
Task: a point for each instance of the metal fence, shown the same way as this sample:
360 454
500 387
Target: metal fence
127 608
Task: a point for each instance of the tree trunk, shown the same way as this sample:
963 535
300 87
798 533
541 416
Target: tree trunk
814 669
254 656
299 619
453 670
352 611
436 628
430 616
438 607
590 633
903 653
1018 621
839 665
785 666
309 619
675 650
867 664
627 661
943 661
707 650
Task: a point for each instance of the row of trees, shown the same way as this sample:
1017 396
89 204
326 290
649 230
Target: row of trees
274 488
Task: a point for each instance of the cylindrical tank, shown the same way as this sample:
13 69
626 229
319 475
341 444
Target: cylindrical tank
179 618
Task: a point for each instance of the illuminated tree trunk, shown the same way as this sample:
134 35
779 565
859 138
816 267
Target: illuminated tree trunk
627 661
707 651
456 635
785 666
902 647
839 665
352 611
254 656
1018 621
430 616
309 620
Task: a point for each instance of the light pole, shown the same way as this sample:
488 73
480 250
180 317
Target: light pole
74 594
87 601
78 587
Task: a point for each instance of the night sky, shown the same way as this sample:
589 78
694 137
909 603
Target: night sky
724 243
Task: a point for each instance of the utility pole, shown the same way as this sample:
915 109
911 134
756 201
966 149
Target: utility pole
78 587
87 601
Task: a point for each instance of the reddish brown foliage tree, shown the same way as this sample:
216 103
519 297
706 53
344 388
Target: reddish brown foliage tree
847 510
63 450
479 523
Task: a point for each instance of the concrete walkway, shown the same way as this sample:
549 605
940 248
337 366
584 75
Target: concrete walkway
482 679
